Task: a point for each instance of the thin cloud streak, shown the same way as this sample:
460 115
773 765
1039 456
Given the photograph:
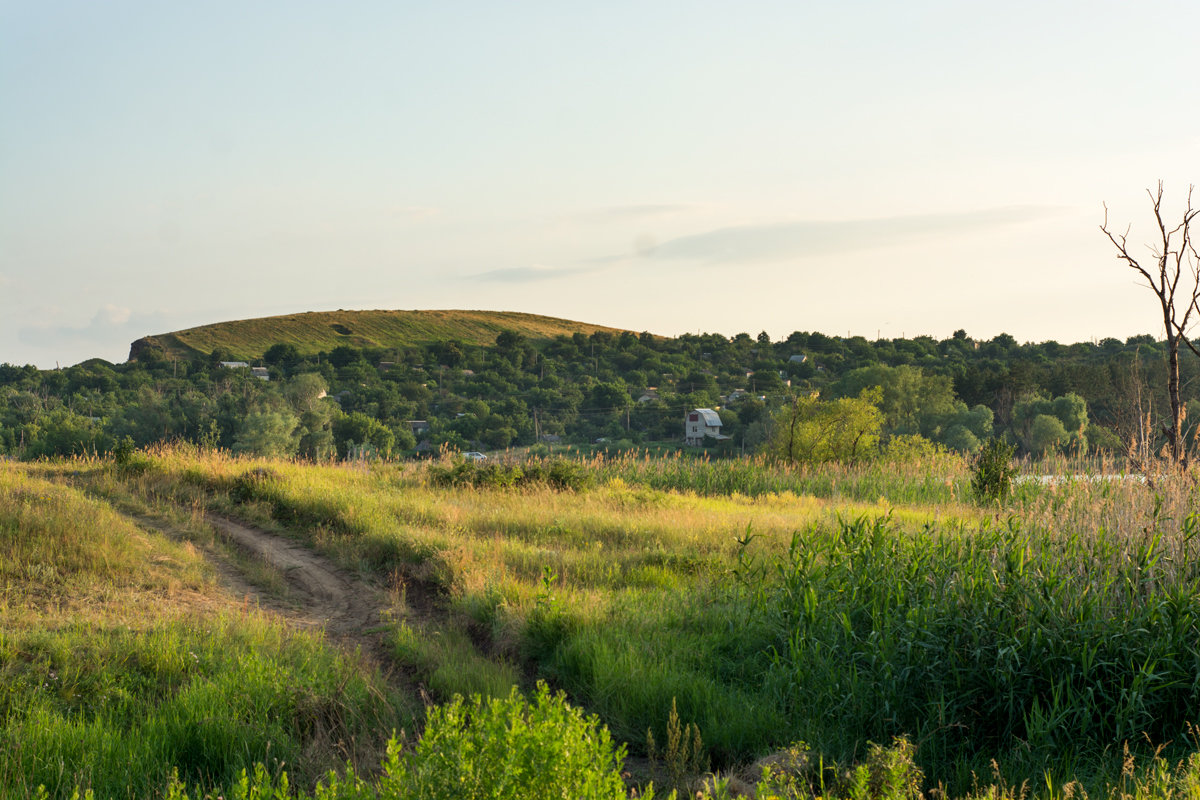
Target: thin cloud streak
776 241
811 238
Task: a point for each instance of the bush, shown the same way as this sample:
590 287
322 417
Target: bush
993 472
253 484
507 748
555 473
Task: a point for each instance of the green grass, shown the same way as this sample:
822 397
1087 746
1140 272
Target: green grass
122 662
316 331
1042 636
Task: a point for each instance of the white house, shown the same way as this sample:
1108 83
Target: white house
699 423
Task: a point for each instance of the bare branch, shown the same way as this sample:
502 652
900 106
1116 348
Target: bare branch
1176 254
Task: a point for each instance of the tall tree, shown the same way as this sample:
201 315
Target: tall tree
1175 281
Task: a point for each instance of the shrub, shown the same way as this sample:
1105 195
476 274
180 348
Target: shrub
993 471
507 748
556 473
253 484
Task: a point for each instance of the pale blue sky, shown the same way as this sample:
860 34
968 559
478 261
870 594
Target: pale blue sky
874 168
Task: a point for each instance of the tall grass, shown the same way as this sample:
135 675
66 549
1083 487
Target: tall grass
765 613
979 643
934 479
122 662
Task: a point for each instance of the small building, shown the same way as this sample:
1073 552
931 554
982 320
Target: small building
798 358
418 426
260 373
235 365
701 423
648 396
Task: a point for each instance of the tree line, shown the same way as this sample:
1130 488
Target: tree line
626 388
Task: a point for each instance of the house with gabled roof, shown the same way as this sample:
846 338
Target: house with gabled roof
700 423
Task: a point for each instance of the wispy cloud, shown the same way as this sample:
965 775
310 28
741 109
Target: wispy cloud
798 239
777 241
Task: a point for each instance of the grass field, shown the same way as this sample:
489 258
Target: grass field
122 661
317 331
1026 645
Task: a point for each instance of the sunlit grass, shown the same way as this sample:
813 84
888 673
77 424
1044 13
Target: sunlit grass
122 660
676 585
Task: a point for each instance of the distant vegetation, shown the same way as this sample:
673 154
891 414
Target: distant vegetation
490 381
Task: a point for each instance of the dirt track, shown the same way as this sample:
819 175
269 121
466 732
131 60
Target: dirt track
325 595
319 593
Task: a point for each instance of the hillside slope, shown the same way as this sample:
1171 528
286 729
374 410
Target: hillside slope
315 331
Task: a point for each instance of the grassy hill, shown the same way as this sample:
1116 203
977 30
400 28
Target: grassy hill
315 331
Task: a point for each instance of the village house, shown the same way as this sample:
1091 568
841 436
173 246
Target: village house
701 423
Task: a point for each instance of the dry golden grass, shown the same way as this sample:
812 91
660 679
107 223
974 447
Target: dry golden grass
314 331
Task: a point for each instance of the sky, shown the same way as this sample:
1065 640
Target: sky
880 169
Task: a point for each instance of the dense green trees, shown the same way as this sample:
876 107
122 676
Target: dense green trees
812 431
957 392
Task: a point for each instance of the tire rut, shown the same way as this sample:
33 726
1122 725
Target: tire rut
321 595
327 596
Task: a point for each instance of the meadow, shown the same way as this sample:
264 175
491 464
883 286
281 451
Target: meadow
1047 646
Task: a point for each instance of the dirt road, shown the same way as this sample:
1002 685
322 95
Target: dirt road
323 594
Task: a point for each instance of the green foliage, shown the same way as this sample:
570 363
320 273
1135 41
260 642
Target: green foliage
814 431
1046 426
993 472
507 748
907 449
557 473
1046 435
254 484
116 710
355 430
910 400
267 433
1024 636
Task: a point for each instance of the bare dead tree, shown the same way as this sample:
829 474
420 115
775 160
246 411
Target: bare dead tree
1175 281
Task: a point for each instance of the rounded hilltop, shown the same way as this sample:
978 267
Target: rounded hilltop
312 332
